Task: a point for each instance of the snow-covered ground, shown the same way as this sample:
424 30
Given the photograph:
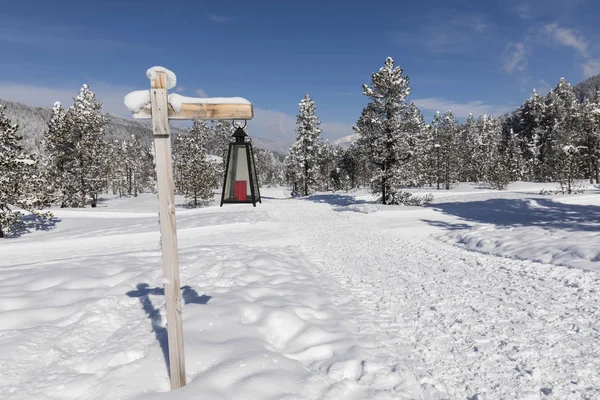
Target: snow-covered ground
328 297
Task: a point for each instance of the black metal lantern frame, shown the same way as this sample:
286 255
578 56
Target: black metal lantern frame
241 182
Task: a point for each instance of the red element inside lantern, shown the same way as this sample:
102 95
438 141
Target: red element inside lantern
240 190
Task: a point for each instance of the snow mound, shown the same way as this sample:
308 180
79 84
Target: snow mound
135 101
359 208
171 77
561 231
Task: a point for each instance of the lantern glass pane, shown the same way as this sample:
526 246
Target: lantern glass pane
237 182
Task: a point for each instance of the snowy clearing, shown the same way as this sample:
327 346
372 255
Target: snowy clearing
326 297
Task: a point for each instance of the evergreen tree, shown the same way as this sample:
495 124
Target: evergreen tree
302 162
195 176
467 150
350 166
448 141
382 137
326 157
529 130
590 135
269 168
21 185
557 124
137 166
497 163
87 125
412 172
514 156
60 151
428 154
222 131
76 150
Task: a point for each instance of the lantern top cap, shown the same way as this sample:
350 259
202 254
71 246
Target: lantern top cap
239 133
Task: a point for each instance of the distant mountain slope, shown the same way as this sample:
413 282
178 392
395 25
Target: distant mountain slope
345 141
583 90
588 88
32 124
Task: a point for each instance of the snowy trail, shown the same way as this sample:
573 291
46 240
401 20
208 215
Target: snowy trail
473 326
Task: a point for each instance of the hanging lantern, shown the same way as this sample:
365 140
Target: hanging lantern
241 183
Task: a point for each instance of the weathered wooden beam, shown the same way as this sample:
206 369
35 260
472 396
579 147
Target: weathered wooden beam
168 230
204 111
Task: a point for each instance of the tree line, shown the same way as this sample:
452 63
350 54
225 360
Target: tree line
552 138
78 162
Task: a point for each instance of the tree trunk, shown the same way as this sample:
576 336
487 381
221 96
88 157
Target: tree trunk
437 168
447 175
1 233
596 167
383 186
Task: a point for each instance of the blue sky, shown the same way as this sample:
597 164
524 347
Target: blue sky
469 56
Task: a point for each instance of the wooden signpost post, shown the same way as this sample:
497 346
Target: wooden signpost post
160 112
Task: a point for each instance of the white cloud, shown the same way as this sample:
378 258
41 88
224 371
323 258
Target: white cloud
567 37
515 57
201 93
450 33
273 125
220 18
461 110
524 11
591 68
543 87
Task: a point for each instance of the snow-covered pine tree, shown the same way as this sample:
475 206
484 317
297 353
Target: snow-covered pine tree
590 130
138 166
467 148
570 141
381 129
412 172
496 165
337 178
21 185
350 164
326 159
195 177
560 107
449 153
221 131
87 125
115 171
302 161
268 167
529 128
512 147
76 150
444 133
59 154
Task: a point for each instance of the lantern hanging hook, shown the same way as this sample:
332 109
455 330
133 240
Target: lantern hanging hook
239 125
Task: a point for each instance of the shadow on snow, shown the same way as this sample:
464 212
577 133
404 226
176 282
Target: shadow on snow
334 199
189 296
540 212
29 223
